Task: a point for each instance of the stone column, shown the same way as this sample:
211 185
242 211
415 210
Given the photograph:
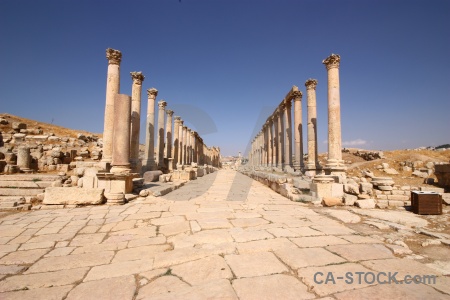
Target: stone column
313 163
181 144
183 157
334 161
287 134
280 133
189 146
194 149
276 151
269 142
148 163
298 130
24 159
112 89
136 90
176 140
121 143
160 142
168 148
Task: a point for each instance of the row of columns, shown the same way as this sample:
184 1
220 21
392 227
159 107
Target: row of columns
182 146
272 146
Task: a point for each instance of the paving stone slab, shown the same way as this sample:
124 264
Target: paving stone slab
318 241
41 280
206 224
163 285
51 293
10 269
175 228
278 286
358 252
403 266
333 230
49 264
137 253
393 291
264 245
203 270
316 278
255 264
23 257
296 257
119 288
219 289
118 269
248 222
240 235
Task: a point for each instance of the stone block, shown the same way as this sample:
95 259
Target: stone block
432 189
73 195
366 203
331 201
396 203
151 176
350 199
398 197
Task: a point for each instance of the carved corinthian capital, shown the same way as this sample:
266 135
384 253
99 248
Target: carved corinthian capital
162 104
177 119
332 61
297 95
137 77
152 93
169 112
311 84
114 56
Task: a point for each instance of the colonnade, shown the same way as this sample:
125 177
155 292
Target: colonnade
273 145
174 148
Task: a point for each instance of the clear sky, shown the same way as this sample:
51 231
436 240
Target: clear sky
235 60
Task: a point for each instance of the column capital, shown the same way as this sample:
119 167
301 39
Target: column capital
297 95
114 56
281 107
152 93
332 61
192 132
184 126
177 119
287 102
137 77
162 104
169 112
311 84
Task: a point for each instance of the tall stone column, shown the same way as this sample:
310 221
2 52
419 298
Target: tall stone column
334 162
112 89
121 143
298 131
313 163
183 157
149 163
181 144
160 142
168 148
287 134
176 141
194 152
269 142
189 143
276 150
136 90
280 133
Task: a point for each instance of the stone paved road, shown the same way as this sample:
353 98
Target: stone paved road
223 236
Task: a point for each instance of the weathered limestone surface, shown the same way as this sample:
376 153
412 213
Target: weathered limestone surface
222 236
73 195
136 90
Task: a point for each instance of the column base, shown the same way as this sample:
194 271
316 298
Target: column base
115 198
336 168
104 166
148 165
121 169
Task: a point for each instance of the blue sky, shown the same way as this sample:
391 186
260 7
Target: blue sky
235 60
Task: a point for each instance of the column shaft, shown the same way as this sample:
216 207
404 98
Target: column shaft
121 143
160 142
136 90
280 137
168 147
149 156
298 130
287 133
112 89
313 162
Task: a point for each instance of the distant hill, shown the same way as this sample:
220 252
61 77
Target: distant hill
443 146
